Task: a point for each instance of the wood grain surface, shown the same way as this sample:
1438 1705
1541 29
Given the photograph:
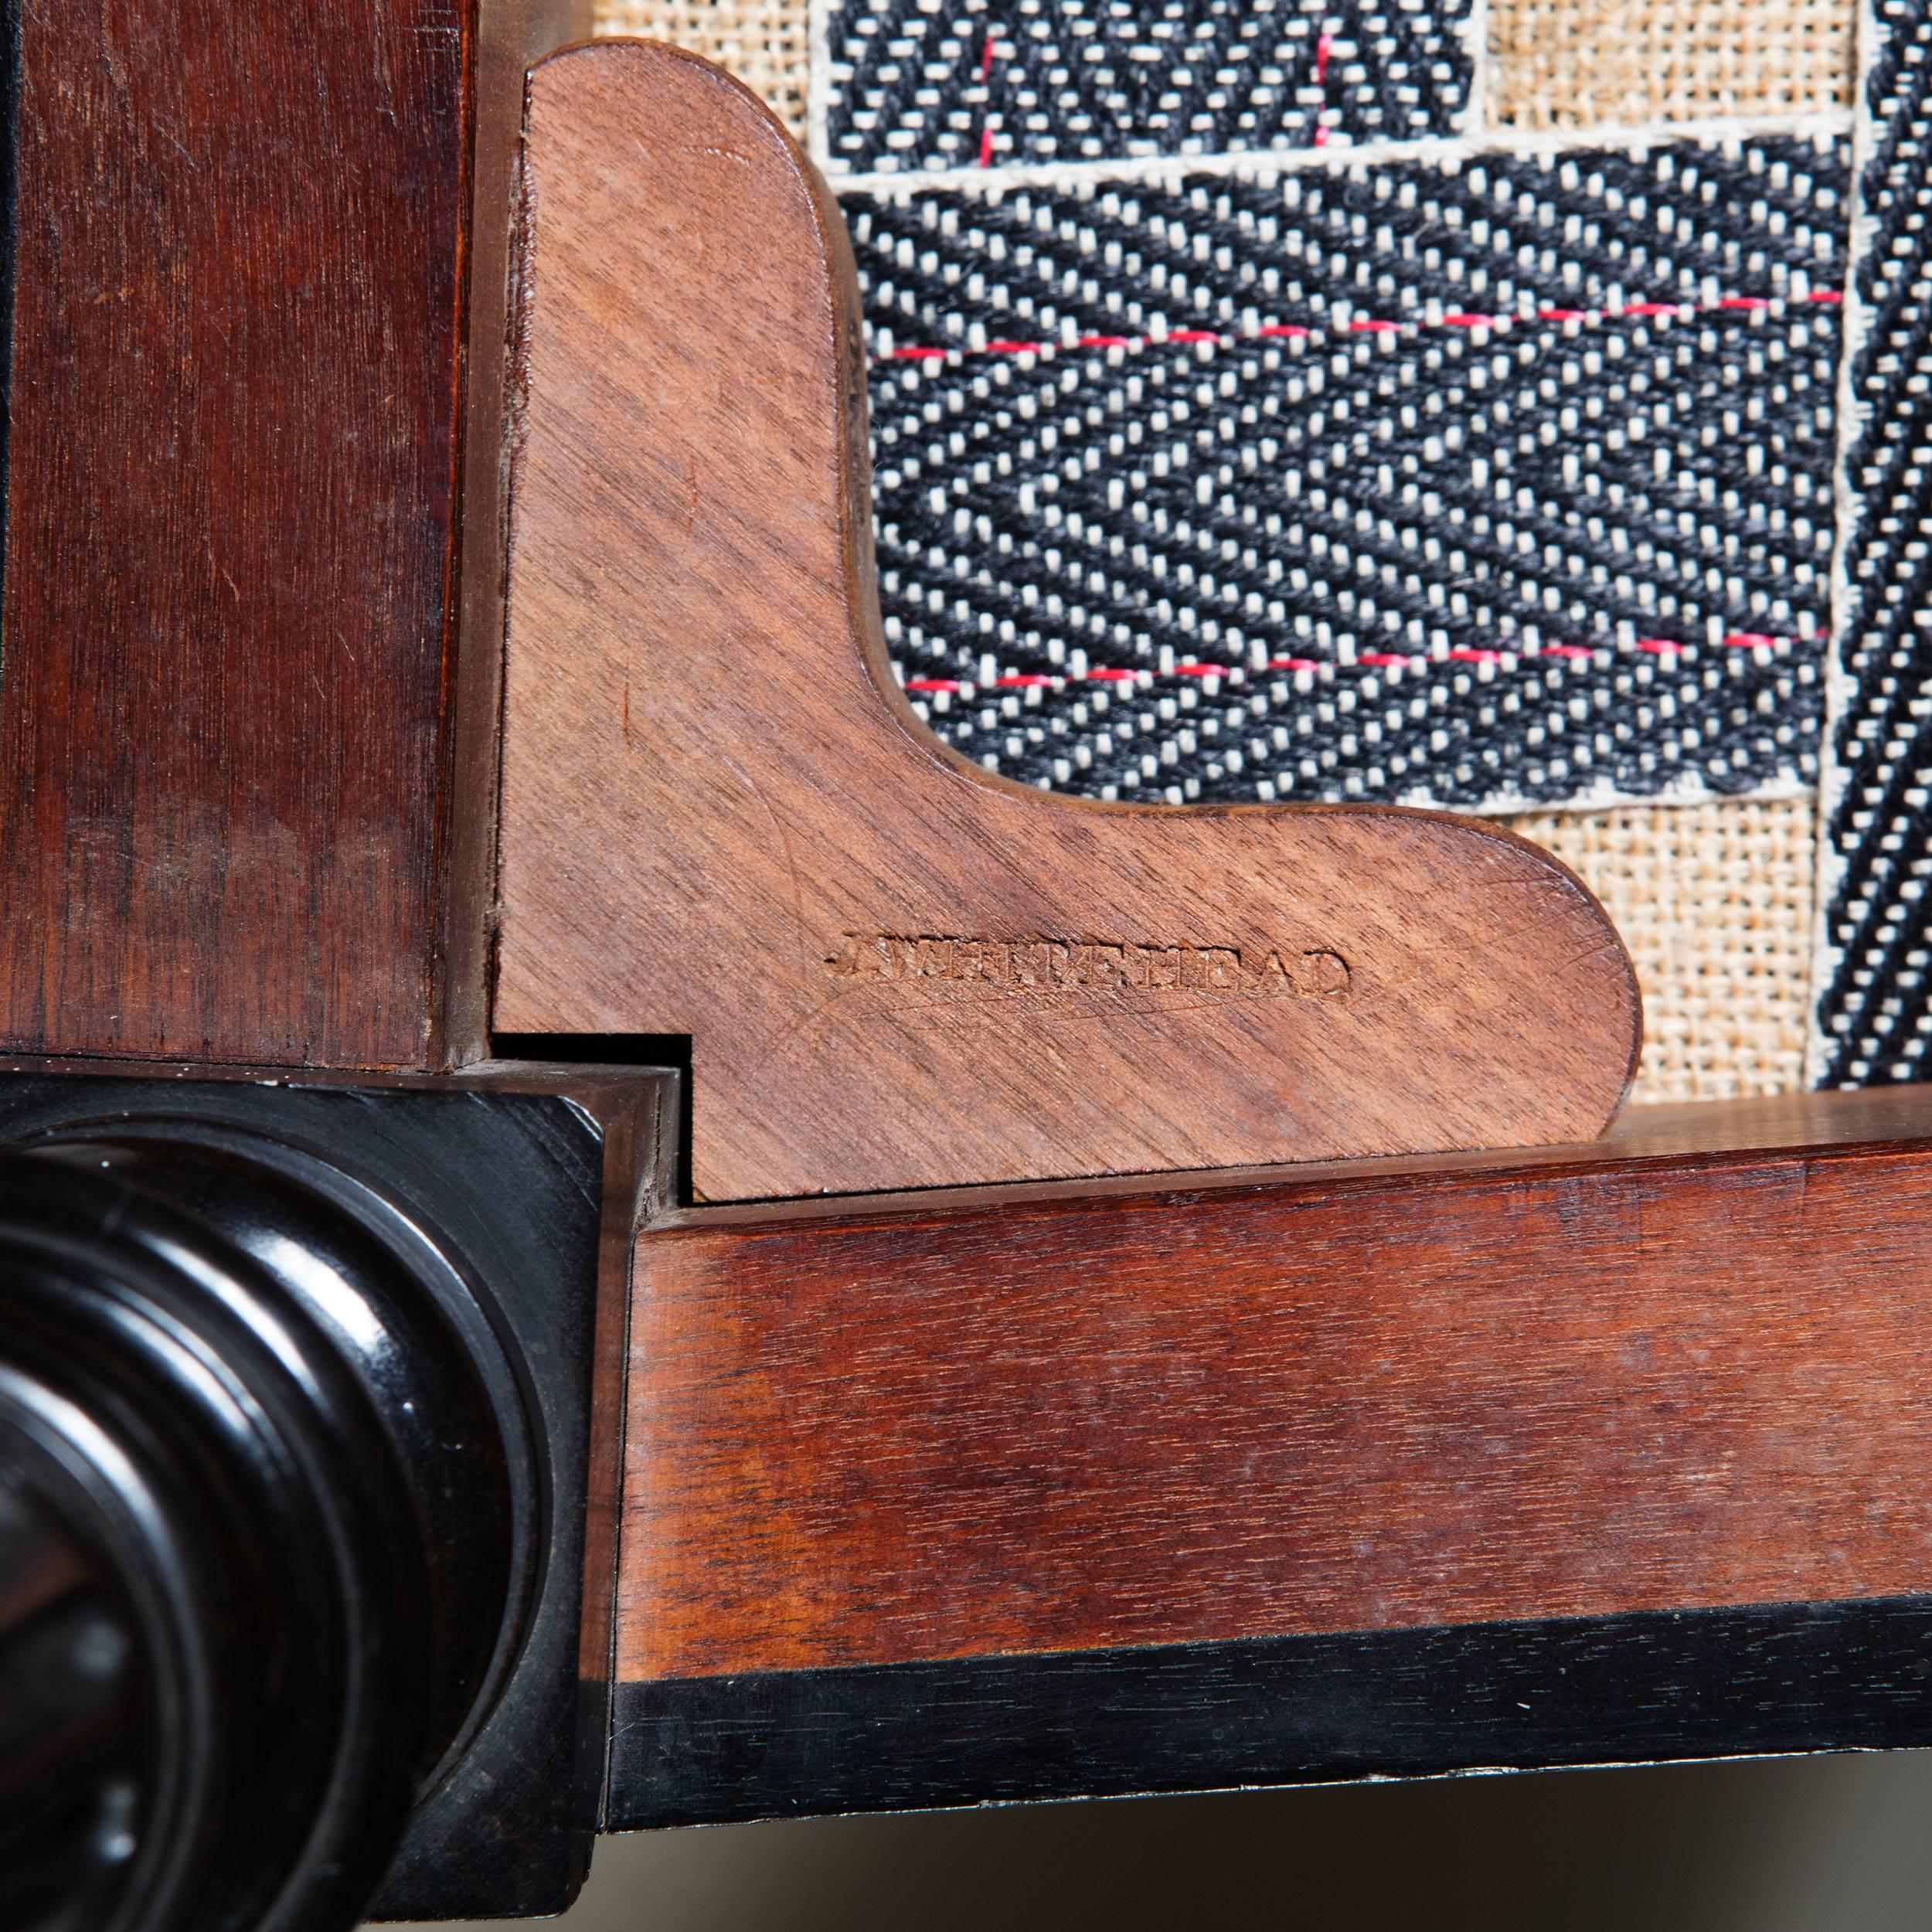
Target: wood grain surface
1669 1370
509 35
721 819
238 819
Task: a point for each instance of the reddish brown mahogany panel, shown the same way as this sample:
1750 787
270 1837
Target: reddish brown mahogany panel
233 810
1690 1366
722 819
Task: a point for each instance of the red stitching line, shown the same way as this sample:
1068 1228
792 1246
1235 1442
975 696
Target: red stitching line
1368 660
985 80
1360 325
1323 48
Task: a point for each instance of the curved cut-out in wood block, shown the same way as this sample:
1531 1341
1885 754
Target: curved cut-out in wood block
721 818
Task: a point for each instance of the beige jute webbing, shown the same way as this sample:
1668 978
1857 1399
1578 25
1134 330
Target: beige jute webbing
1714 903
1579 63
764 42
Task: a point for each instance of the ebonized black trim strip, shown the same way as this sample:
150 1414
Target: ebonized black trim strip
1781 1677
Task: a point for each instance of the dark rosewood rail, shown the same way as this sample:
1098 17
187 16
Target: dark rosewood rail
920 1445
254 580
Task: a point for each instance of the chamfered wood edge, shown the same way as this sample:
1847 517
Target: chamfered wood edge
1874 1119
512 34
1757 1680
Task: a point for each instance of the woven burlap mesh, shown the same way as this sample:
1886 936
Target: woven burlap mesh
1714 903
1571 63
763 41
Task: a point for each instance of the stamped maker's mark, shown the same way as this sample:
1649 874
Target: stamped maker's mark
1060 965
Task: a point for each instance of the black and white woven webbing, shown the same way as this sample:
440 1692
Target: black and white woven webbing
918 85
1484 480
1874 1010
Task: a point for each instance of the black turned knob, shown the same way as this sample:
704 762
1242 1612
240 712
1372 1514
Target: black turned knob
257 1572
